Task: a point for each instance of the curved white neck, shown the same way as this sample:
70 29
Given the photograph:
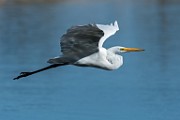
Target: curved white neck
115 60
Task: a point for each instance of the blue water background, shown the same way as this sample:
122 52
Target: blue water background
146 87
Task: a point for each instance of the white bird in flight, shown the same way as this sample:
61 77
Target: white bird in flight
82 45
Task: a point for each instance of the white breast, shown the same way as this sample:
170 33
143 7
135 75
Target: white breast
102 59
115 60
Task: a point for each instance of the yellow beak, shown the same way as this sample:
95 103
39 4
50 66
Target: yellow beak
132 49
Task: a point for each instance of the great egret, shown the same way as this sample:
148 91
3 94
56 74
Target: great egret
82 46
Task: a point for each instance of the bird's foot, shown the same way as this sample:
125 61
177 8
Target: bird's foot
22 74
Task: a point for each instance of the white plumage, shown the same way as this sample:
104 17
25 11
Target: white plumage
108 30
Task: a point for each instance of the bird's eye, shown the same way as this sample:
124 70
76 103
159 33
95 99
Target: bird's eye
122 49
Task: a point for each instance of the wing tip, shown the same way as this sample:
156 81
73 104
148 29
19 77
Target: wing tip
116 25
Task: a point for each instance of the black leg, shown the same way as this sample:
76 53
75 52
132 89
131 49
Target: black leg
25 74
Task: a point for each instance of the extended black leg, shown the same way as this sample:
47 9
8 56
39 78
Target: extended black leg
25 74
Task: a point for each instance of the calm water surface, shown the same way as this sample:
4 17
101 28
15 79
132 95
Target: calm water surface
145 88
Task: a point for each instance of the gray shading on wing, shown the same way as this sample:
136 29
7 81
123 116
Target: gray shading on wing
80 41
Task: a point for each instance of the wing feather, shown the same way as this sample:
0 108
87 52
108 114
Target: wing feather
84 40
80 41
108 30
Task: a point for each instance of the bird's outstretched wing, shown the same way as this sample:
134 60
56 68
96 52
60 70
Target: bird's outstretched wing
84 40
80 41
108 30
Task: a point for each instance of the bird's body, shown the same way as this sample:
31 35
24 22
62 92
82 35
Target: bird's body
83 46
105 59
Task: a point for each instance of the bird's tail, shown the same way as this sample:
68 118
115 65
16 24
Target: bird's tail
25 74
